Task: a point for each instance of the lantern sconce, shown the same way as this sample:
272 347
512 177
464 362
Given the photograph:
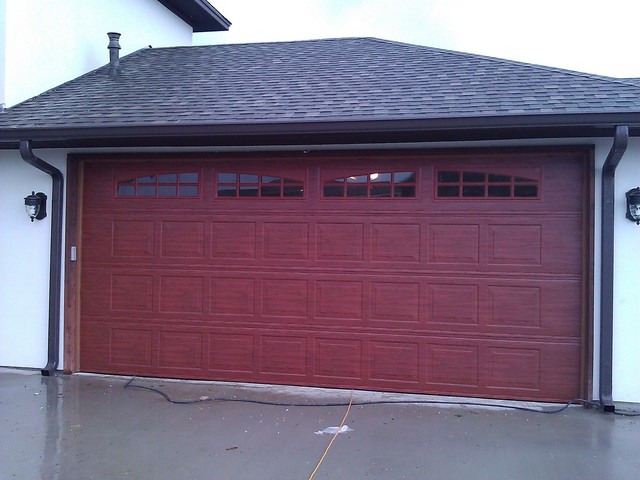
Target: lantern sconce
633 205
36 205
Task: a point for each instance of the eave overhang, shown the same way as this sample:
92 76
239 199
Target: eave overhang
200 14
325 132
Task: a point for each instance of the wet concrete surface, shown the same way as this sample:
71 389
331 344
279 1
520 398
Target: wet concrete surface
91 427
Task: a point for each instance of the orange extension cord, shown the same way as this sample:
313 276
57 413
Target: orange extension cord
335 435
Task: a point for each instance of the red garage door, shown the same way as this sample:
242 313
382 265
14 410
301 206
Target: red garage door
448 274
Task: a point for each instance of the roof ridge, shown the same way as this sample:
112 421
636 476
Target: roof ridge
266 42
536 66
634 81
521 63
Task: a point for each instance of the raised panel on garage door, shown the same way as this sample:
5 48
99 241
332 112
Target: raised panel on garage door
453 274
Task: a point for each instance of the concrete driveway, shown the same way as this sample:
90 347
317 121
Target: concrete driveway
91 427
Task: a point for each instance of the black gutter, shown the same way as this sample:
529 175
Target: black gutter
55 266
52 130
371 131
618 148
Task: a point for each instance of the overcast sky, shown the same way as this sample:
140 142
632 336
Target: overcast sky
595 36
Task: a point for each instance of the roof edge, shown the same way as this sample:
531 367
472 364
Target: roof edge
429 130
200 14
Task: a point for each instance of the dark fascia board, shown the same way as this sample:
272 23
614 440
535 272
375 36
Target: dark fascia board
200 14
299 133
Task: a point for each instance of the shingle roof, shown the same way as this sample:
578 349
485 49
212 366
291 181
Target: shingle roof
635 81
334 80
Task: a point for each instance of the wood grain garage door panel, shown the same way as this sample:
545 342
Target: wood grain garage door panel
457 275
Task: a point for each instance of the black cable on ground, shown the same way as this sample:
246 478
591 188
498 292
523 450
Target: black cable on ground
575 401
626 414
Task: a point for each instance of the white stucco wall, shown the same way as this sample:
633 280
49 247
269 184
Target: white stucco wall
51 42
626 309
3 49
24 261
626 313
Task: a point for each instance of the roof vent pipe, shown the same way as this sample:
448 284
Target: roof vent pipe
114 54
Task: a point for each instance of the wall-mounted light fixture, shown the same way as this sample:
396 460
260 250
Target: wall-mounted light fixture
36 205
633 205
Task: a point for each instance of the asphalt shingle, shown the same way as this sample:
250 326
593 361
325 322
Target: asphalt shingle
352 79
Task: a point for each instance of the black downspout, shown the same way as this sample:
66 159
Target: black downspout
55 267
618 148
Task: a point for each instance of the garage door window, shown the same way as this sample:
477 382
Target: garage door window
372 185
243 185
180 184
456 184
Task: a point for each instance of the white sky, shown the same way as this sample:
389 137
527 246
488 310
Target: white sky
595 36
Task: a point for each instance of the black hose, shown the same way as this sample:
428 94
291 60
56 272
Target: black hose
575 401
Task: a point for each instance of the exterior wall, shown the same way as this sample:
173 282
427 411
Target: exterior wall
24 260
626 313
49 43
3 49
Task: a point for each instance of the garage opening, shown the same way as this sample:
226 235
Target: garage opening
441 273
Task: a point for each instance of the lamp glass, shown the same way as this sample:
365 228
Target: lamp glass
633 205
32 211
634 210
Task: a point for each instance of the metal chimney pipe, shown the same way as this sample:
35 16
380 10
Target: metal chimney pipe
114 54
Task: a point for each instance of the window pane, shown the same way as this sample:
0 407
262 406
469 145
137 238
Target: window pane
378 191
333 191
226 191
162 185
448 191
270 190
358 179
167 190
404 177
146 190
249 191
191 190
448 177
499 190
227 178
294 191
472 177
473 191
380 178
266 179
357 190
291 180
126 190
499 178
248 178
408 191
525 191
189 177
168 178
522 179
